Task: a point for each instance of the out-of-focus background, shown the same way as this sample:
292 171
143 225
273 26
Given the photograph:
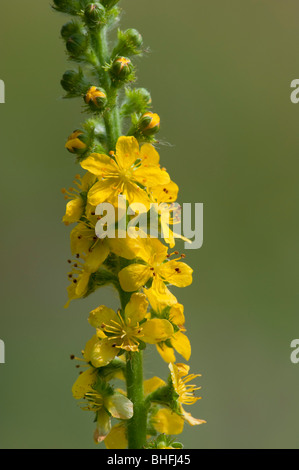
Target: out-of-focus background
219 73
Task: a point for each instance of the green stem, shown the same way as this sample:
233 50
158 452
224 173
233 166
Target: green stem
138 423
111 116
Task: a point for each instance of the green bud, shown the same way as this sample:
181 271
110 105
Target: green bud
129 42
121 69
109 3
133 37
74 82
177 445
144 95
77 44
137 101
67 6
70 28
96 98
95 15
149 124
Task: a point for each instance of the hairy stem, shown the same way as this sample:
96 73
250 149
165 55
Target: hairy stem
136 427
134 368
138 423
111 116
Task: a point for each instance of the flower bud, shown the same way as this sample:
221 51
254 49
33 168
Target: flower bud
95 15
69 28
96 98
149 124
144 95
77 44
121 69
72 82
77 142
67 6
133 38
109 3
129 42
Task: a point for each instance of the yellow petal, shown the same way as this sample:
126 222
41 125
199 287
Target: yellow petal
149 155
102 191
158 303
89 348
182 345
156 330
182 369
124 247
71 290
119 406
152 384
134 276
176 273
100 165
127 151
176 314
135 194
190 420
165 193
102 316
103 426
96 256
102 353
84 383
81 239
168 234
150 176
136 309
157 249
82 284
161 293
167 422
87 181
117 438
74 211
166 353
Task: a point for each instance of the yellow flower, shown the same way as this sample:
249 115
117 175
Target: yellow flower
180 379
179 340
100 398
127 173
158 267
75 207
79 278
94 250
116 331
117 438
169 213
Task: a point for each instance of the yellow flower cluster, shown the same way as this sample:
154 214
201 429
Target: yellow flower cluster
142 269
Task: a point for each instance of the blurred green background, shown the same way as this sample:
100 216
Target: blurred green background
219 73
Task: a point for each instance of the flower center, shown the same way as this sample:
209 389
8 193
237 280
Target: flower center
125 175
